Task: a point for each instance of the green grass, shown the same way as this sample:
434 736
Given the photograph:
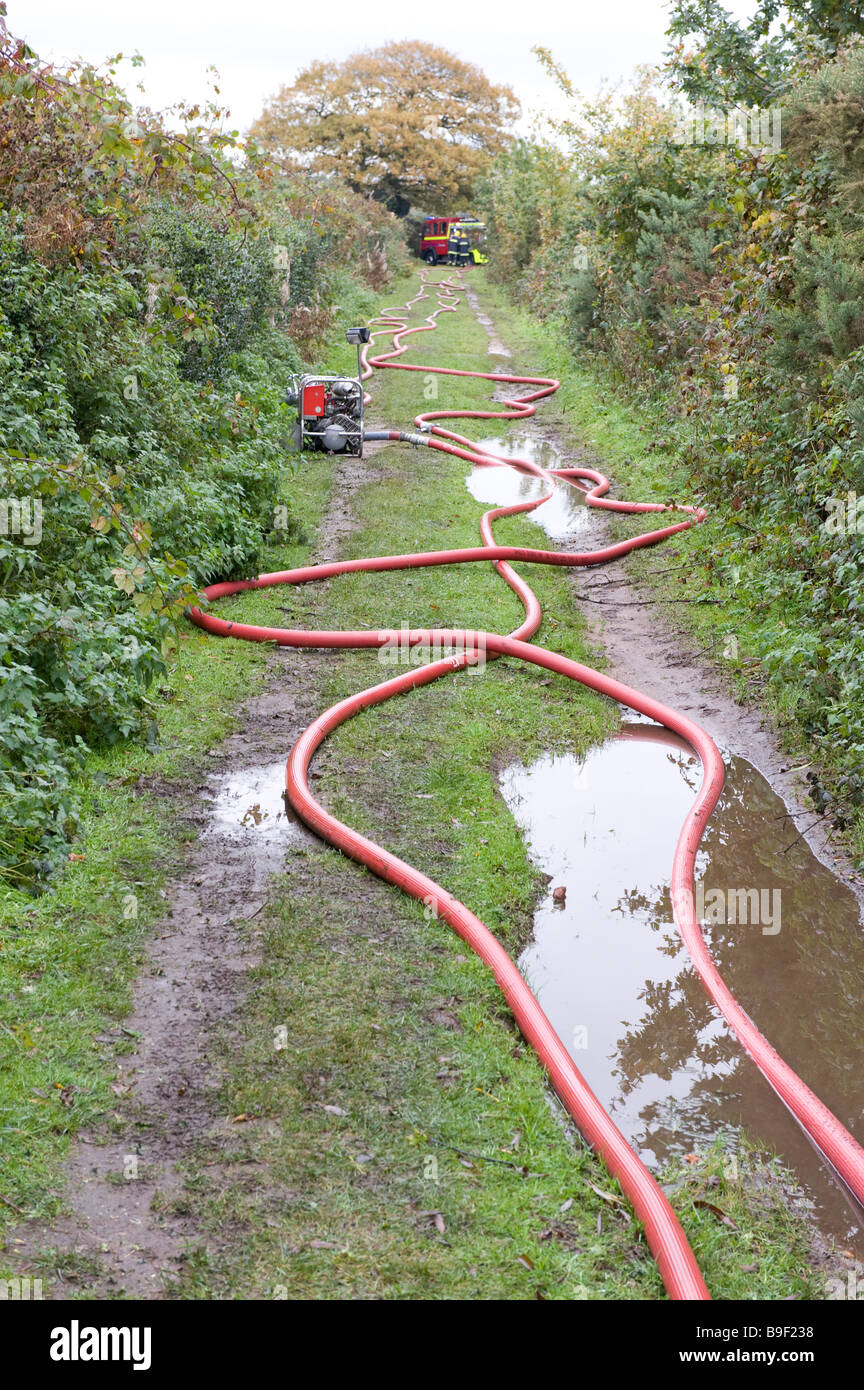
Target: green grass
403 1144
68 958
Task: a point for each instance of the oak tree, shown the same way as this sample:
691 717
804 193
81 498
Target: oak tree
407 123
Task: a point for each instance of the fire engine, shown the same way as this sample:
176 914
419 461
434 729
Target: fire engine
436 231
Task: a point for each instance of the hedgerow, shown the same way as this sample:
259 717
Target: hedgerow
723 282
157 286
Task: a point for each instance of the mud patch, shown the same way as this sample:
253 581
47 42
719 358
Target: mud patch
354 473
496 347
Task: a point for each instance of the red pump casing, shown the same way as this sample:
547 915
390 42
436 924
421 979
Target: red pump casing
314 399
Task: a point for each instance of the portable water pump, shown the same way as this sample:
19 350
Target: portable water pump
330 408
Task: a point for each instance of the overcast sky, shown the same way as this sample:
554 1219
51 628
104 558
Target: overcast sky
256 46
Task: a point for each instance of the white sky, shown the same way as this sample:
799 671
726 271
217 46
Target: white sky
257 46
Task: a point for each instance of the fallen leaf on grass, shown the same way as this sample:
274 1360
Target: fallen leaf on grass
436 1219
607 1196
721 1215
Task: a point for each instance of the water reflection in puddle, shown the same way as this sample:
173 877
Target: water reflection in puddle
609 969
561 517
250 804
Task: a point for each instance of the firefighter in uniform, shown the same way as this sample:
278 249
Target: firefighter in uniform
464 248
453 245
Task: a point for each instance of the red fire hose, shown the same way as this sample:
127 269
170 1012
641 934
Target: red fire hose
675 1259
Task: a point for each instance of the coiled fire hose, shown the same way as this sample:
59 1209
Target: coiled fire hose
675 1260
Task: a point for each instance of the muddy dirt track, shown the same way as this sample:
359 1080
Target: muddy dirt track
191 987
133 1233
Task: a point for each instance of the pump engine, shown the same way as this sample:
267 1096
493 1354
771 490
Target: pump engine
330 408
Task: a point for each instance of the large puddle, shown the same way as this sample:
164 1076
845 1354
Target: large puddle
608 967
563 516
